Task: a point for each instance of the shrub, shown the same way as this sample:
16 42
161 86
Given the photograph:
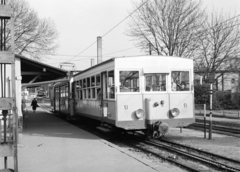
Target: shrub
221 99
201 93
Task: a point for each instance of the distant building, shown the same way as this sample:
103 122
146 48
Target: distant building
229 81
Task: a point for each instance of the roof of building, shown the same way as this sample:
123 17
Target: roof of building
33 71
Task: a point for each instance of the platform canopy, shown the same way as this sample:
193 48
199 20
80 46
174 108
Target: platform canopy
33 71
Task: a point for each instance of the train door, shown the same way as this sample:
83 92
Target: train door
73 95
56 97
104 95
156 96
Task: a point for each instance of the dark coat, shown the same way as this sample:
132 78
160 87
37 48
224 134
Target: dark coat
34 104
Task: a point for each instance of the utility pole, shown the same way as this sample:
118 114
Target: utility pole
211 80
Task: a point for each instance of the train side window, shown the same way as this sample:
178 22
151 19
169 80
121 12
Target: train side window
104 85
93 81
84 94
155 82
98 80
77 89
80 93
93 93
84 83
93 84
88 82
111 86
62 91
98 89
66 89
129 81
89 93
180 81
80 84
98 93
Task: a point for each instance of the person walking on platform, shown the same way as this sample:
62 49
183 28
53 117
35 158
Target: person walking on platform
34 105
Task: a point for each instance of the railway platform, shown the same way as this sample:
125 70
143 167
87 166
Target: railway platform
49 143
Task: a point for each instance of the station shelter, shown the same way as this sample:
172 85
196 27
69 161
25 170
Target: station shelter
31 73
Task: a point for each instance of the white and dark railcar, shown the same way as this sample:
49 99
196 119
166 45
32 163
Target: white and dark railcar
147 93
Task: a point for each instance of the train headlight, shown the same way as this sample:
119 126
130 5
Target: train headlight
139 113
175 112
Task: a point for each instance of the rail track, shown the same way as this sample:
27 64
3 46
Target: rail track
189 158
221 123
183 156
219 128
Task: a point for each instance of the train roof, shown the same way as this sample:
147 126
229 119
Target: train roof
113 58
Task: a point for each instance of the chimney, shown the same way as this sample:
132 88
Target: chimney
99 49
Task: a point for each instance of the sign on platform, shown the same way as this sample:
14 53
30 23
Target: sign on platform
211 77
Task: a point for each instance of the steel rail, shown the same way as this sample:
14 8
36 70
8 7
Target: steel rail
138 143
220 128
221 123
204 160
202 151
174 161
200 128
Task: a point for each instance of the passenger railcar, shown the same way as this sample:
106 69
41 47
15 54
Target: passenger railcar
147 93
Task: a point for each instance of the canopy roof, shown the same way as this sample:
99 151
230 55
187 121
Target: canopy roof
33 71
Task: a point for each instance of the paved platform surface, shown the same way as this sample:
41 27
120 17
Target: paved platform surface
50 144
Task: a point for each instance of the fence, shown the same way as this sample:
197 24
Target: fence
199 110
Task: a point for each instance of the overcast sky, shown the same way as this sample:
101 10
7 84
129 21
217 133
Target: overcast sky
79 22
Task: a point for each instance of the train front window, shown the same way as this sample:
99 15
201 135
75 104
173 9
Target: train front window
180 81
155 82
129 81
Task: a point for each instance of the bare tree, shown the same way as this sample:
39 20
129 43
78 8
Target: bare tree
169 27
219 49
34 37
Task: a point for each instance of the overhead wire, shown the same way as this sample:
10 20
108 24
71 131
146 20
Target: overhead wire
110 29
93 56
133 47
